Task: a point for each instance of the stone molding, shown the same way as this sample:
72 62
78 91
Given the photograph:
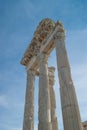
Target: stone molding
43 30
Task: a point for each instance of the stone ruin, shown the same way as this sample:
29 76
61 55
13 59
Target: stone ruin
50 35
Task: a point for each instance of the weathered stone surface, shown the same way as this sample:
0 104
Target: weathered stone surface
70 109
31 55
43 30
48 35
44 114
28 123
54 122
84 125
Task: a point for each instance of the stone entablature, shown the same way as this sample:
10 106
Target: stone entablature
44 28
42 41
47 36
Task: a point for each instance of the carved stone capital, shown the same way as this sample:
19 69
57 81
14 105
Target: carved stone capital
44 57
31 72
51 71
51 82
60 34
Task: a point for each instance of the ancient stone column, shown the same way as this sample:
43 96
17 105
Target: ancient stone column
44 115
52 99
28 123
70 109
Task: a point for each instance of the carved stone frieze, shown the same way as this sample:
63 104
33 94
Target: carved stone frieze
43 30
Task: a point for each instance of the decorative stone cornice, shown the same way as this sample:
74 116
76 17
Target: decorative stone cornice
43 30
42 42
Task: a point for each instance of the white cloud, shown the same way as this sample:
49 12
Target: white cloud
80 75
6 102
3 101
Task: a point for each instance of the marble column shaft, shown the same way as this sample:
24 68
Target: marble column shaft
70 109
52 99
28 123
44 114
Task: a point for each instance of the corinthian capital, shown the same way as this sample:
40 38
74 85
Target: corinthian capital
44 57
31 72
60 31
51 71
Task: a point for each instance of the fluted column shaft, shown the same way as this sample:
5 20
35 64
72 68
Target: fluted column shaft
52 99
44 97
70 109
28 123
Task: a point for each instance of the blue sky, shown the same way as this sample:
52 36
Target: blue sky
18 21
